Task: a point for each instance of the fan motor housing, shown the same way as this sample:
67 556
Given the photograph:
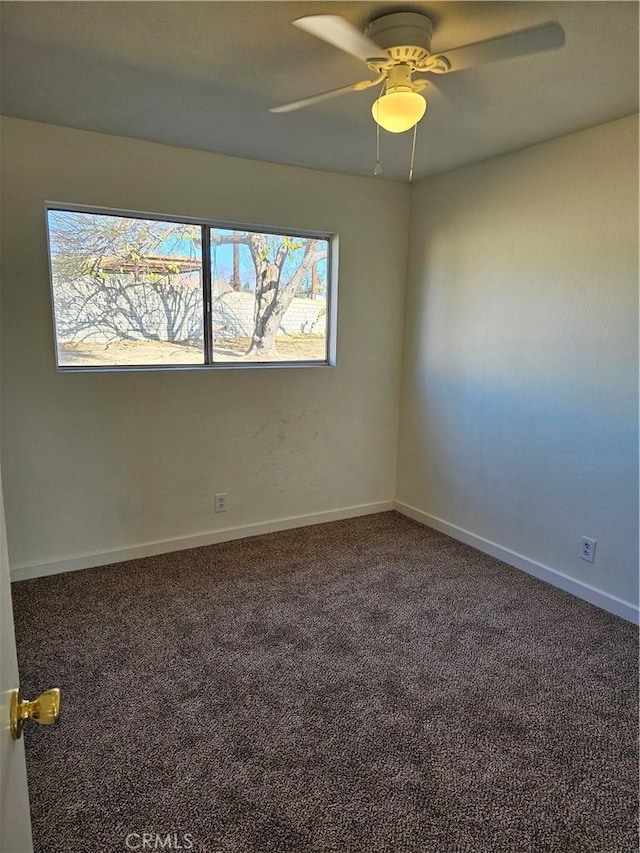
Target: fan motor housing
406 36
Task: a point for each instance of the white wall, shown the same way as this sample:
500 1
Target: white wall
96 463
519 405
519 409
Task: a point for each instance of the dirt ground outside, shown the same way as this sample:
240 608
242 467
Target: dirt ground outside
293 347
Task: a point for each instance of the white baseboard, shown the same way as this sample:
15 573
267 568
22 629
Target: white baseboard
608 602
165 546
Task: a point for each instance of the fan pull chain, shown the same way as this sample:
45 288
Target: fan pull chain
378 169
413 151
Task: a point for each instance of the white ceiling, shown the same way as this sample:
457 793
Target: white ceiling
204 74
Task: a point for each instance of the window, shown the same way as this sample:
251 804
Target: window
135 291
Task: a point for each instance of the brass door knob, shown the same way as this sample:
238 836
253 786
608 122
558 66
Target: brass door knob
44 710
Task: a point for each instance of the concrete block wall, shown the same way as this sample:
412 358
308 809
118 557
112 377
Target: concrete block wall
233 315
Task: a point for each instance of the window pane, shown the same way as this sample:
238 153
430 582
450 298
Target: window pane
269 297
126 291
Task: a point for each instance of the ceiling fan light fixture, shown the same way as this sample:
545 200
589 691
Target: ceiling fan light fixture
399 110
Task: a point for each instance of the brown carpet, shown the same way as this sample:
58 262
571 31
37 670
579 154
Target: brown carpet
359 687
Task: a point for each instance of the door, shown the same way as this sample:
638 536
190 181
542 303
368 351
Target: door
15 822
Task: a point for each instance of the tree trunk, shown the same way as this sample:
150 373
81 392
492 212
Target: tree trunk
273 297
314 276
235 277
267 313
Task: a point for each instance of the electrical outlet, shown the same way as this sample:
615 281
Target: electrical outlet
587 549
221 502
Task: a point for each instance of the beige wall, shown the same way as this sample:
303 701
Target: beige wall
519 409
519 400
96 462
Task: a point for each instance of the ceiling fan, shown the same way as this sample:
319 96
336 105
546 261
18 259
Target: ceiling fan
397 46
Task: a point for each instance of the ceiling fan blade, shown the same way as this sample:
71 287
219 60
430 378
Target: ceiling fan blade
343 35
520 43
323 96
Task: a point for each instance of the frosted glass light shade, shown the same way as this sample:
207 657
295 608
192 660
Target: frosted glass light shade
399 111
